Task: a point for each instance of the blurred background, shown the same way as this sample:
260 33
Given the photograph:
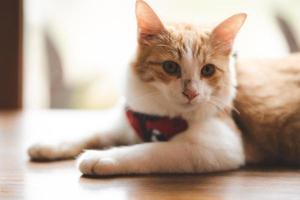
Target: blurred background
76 51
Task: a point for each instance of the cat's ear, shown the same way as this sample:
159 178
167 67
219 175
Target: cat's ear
149 24
224 34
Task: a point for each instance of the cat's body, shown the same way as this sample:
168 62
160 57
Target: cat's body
180 71
268 100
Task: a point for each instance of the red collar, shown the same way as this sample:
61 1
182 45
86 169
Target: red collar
155 128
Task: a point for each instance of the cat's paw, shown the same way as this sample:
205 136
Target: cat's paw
97 163
46 152
42 152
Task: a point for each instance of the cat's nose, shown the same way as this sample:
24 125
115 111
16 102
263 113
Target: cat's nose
190 94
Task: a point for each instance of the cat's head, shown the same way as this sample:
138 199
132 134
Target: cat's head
186 65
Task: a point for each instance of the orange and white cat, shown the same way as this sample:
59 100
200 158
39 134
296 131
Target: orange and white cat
177 118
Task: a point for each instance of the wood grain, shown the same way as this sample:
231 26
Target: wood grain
21 179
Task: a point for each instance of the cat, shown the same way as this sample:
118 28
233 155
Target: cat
179 98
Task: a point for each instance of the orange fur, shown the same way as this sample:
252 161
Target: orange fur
171 45
180 70
268 99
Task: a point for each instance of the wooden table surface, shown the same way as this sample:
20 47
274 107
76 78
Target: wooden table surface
21 179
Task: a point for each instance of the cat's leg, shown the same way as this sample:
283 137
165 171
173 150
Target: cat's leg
61 150
212 151
116 136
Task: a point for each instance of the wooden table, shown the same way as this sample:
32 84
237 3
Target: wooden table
21 179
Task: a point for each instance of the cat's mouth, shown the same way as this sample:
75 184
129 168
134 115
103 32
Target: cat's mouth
193 104
189 104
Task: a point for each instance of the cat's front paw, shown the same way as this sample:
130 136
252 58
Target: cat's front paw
97 163
47 152
42 152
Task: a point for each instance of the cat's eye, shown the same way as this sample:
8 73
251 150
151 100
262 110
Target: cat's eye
208 70
171 68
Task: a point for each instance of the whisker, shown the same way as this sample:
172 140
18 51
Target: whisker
233 108
236 110
216 105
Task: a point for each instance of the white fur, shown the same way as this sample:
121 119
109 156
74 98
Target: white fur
208 144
